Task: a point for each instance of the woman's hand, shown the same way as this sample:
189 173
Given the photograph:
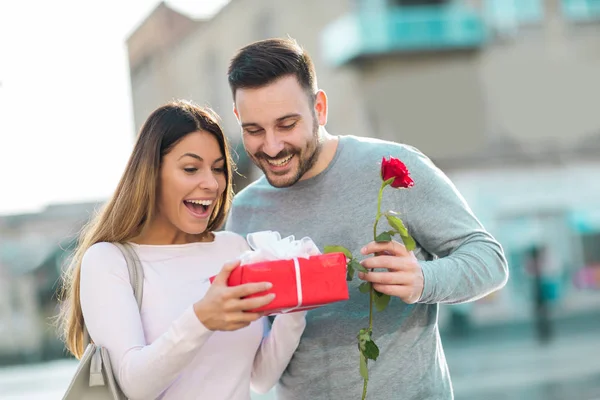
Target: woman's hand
224 308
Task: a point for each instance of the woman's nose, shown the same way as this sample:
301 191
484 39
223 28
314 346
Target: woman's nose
209 182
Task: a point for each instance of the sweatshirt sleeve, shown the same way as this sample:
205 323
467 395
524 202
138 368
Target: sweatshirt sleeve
276 350
111 314
470 263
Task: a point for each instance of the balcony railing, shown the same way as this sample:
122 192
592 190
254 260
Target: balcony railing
581 10
403 29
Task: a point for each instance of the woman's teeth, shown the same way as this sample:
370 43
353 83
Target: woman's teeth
281 161
205 203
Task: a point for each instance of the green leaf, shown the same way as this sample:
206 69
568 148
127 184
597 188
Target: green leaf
409 242
338 249
364 287
383 237
357 266
364 371
395 222
371 350
349 272
381 302
399 227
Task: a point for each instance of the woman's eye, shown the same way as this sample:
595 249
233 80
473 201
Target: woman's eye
190 170
219 170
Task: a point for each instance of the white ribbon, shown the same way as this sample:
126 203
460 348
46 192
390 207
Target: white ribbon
298 288
269 246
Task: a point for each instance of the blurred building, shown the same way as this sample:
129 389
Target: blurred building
501 94
32 251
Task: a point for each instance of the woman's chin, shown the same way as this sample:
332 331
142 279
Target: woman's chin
197 228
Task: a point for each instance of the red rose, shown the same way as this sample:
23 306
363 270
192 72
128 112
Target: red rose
394 168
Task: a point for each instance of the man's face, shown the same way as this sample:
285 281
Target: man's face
280 129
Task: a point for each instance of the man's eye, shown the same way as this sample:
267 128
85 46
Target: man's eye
254 131
288 127
190 170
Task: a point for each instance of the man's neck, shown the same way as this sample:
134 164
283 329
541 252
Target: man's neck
329 145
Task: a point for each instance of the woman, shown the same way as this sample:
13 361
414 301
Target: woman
191 339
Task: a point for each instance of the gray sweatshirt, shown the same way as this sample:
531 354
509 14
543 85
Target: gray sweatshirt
460 261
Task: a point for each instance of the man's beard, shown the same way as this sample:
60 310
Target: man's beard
306 159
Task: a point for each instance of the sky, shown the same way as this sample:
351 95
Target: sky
66 123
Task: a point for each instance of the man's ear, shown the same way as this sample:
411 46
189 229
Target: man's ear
235 112
321 107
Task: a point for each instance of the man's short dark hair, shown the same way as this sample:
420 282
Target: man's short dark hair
261 63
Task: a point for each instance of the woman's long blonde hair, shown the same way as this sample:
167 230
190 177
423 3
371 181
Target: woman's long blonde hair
134 203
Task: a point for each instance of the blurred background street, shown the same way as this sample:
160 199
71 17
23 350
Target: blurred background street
502 364
503 95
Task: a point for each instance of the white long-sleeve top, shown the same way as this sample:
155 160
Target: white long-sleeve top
164 351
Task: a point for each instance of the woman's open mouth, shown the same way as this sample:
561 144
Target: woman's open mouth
198 208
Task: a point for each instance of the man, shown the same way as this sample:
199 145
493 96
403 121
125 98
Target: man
325 187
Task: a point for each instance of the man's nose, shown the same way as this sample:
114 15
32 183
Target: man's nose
273 145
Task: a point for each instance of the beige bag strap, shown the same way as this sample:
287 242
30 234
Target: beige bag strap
136 277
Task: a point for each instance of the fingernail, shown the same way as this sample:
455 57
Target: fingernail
361 275
272 295
363 250
268 285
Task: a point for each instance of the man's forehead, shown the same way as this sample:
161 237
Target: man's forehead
286 87
270 108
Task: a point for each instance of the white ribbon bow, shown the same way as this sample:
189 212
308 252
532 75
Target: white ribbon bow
269 246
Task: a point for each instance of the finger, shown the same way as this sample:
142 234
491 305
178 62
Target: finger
248 289
393 247
403 292
386 278
223 275
251 303
394 263
242 318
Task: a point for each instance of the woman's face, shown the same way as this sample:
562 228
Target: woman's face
192 178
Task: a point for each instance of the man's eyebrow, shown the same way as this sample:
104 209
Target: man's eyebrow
247 124
196 156
294 115
287 116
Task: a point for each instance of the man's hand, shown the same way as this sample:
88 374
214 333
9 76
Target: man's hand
404 278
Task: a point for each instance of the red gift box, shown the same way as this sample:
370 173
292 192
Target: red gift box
312 282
